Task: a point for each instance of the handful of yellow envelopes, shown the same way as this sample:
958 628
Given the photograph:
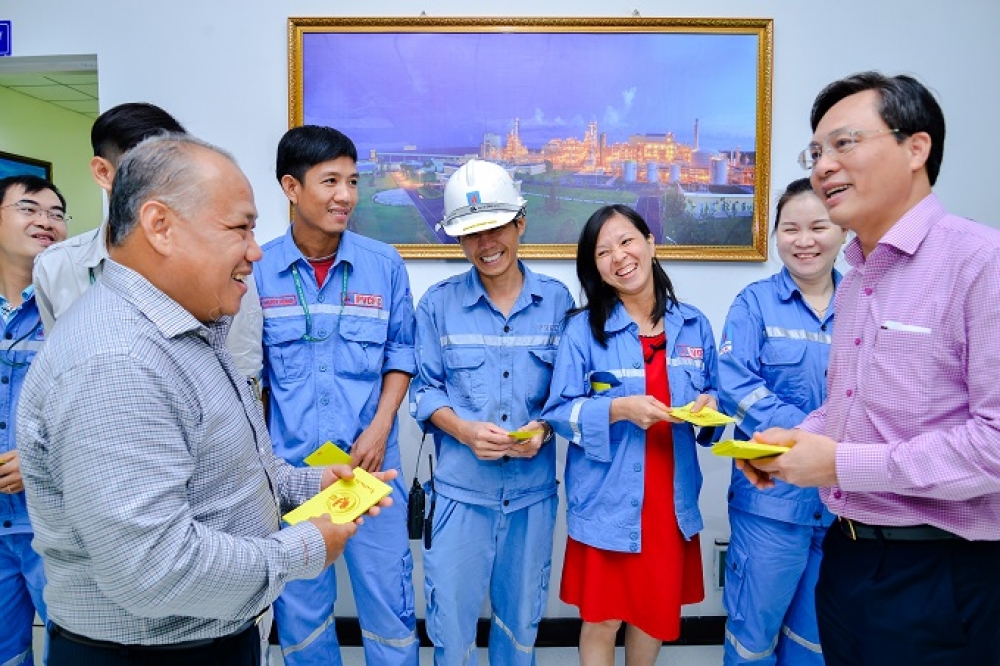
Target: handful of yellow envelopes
704 417
345 500
732 448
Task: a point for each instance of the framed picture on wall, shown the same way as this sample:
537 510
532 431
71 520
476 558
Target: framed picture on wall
16 165
669 116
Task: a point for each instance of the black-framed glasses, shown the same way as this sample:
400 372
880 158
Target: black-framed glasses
31 210
840 142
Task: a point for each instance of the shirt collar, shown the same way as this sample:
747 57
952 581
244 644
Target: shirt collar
620 319
475 291
290 252
787 287
907 233
5 308
165 313
95 253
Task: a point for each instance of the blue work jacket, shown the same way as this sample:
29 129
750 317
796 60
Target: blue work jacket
22 339
605 477
772 373
326 386
488 367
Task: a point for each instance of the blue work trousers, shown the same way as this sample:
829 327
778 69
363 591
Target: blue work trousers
771 572
381 570
21 582
476 550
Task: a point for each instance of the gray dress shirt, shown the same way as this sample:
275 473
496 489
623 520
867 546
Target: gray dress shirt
151 483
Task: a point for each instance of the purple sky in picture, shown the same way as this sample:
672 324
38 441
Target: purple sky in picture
442 90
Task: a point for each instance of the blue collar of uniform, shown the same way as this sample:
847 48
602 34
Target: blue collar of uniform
787 287
475 291
674 316
290 252
26 294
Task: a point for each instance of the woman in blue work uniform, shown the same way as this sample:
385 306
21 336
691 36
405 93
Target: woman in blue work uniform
772 372
632 476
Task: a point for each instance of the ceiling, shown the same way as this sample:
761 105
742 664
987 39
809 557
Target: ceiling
69 82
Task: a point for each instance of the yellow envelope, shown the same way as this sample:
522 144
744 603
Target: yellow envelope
706 416
344 500
732 448
524 435
328 454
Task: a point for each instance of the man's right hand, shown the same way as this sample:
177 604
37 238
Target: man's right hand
335 535
487 440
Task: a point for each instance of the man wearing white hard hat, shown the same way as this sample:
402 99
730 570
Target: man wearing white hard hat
486 341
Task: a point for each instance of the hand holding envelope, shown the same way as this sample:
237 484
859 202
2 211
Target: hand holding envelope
704 417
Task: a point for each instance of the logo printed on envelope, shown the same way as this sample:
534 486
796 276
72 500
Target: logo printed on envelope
344 500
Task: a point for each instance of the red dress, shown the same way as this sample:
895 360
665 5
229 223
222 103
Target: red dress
645 589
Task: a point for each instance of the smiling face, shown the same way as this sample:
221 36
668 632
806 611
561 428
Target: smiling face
494 252
624 258
24 236
808 242
325 198
217 245
869 188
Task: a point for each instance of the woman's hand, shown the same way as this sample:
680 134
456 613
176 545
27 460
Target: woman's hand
643 410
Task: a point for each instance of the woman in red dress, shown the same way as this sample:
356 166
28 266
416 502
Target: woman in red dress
632 476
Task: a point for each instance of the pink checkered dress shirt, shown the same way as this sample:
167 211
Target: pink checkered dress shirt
913 387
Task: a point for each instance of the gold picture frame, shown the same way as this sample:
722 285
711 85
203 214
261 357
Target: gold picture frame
672 116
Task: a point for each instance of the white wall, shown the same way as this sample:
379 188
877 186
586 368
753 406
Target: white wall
221 68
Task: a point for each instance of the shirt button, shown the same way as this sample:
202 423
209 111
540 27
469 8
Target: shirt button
857 341
635 502
506 502
868 291
9 336
837 494
322 368
324 401
850 393
636 364
321 334
817 515
634 536
503 418
319 298
505 459
3 425
637 467
7 523
823 327
633 547
506 329
5 380
506 374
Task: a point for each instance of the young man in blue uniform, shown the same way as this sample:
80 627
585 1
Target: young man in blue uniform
32 217
486 341
338 358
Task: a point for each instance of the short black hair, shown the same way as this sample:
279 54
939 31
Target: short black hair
31 185
304 147
905 105
121 128
601 297
794 189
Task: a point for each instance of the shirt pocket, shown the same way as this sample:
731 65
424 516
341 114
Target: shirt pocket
466 383
287 353
363 347
781 366
539 377
691 383
902 360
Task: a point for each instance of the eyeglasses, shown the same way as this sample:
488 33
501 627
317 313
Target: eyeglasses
840 142
32 210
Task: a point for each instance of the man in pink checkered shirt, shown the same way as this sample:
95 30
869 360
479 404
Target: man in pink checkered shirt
906 447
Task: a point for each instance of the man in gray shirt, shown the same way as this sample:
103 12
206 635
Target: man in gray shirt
151 482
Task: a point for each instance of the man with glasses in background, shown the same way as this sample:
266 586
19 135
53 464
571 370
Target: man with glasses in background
338 358
32 217
906 448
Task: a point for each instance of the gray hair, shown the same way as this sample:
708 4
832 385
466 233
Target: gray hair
161 168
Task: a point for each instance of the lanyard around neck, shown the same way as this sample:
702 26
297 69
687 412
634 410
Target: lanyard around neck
300 292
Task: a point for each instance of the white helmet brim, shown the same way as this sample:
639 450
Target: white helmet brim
480 217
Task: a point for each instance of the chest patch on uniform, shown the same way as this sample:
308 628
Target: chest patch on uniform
363 300
278 301
727 346
684 351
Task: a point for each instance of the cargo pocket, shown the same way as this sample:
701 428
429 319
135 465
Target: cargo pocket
734 593
543 595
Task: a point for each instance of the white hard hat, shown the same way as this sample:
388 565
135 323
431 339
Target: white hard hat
479 196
